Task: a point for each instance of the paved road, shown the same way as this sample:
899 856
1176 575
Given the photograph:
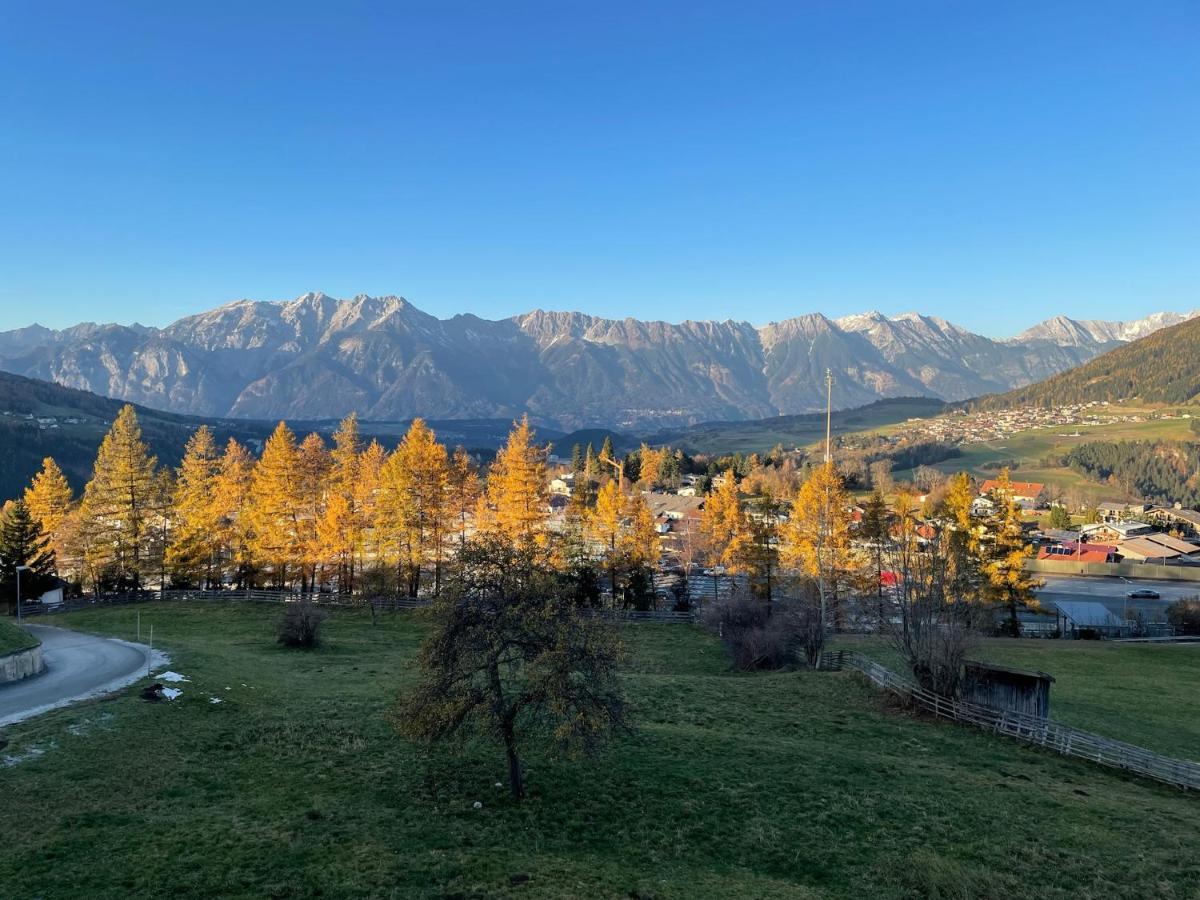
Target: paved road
78 666
1111 592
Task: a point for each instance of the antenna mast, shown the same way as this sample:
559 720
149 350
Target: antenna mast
828 415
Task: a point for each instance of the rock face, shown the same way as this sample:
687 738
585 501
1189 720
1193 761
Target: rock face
319 357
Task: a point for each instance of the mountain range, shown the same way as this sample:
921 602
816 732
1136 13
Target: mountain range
318 357
1162 367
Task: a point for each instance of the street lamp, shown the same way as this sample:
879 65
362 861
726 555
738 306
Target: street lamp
20 569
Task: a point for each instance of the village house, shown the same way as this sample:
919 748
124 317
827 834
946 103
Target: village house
1026 494
1119 511
1079 552
1156 547
1114 532
1186 521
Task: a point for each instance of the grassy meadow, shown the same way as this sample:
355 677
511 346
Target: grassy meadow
1030 450
797 784
1144 694
13 638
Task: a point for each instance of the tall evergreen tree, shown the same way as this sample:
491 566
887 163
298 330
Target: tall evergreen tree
22 543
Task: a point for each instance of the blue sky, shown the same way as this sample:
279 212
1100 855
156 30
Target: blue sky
991 163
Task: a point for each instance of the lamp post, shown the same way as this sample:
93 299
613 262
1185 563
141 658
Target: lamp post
20 569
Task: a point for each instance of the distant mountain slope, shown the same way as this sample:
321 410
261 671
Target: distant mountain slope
73 423
319 357
1161 368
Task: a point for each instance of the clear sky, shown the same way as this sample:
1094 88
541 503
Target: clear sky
994 163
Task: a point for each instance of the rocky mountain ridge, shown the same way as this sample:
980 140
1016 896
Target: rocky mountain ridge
321 357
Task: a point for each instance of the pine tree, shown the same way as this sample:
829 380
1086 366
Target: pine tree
640 549
118 503
49 500
517 494
607 454
194 551
274 506
22 543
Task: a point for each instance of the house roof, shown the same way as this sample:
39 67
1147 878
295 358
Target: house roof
1173 543
1087 613
1018 488
1184 515
1147 549
1121 528
1075 552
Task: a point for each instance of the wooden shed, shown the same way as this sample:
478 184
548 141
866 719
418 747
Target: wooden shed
1002 687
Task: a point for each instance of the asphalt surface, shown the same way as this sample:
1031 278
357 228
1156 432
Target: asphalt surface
1111 592
78 666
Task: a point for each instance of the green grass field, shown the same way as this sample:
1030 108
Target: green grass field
1031 448
774 785
1145 694
13 638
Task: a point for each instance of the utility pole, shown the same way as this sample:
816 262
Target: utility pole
20 569
828 416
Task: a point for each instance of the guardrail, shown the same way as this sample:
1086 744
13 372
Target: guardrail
1048 733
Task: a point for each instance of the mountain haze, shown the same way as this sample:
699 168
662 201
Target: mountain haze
320 357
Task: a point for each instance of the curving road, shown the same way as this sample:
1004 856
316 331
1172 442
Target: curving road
78 666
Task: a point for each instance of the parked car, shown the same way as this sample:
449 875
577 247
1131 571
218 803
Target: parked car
1143 594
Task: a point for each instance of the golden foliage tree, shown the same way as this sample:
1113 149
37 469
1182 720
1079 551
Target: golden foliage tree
49 500
415 504
230 512
274 507
193 555
1006 583
817 535
118 504
463 488
515 502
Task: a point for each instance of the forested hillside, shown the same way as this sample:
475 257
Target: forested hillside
1161 368
1160 471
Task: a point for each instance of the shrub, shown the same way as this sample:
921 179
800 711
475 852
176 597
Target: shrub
300 625
1184 615
759 638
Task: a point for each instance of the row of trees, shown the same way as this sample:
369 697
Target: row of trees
892 547
311 516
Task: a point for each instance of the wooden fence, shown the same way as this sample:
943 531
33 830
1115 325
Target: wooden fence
1047 733
380 604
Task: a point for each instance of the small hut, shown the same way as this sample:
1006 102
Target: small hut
1001 687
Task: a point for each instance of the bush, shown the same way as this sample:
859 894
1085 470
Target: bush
300 625
1184 615
758 638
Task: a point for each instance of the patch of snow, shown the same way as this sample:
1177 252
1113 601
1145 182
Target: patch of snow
171 693
171 677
